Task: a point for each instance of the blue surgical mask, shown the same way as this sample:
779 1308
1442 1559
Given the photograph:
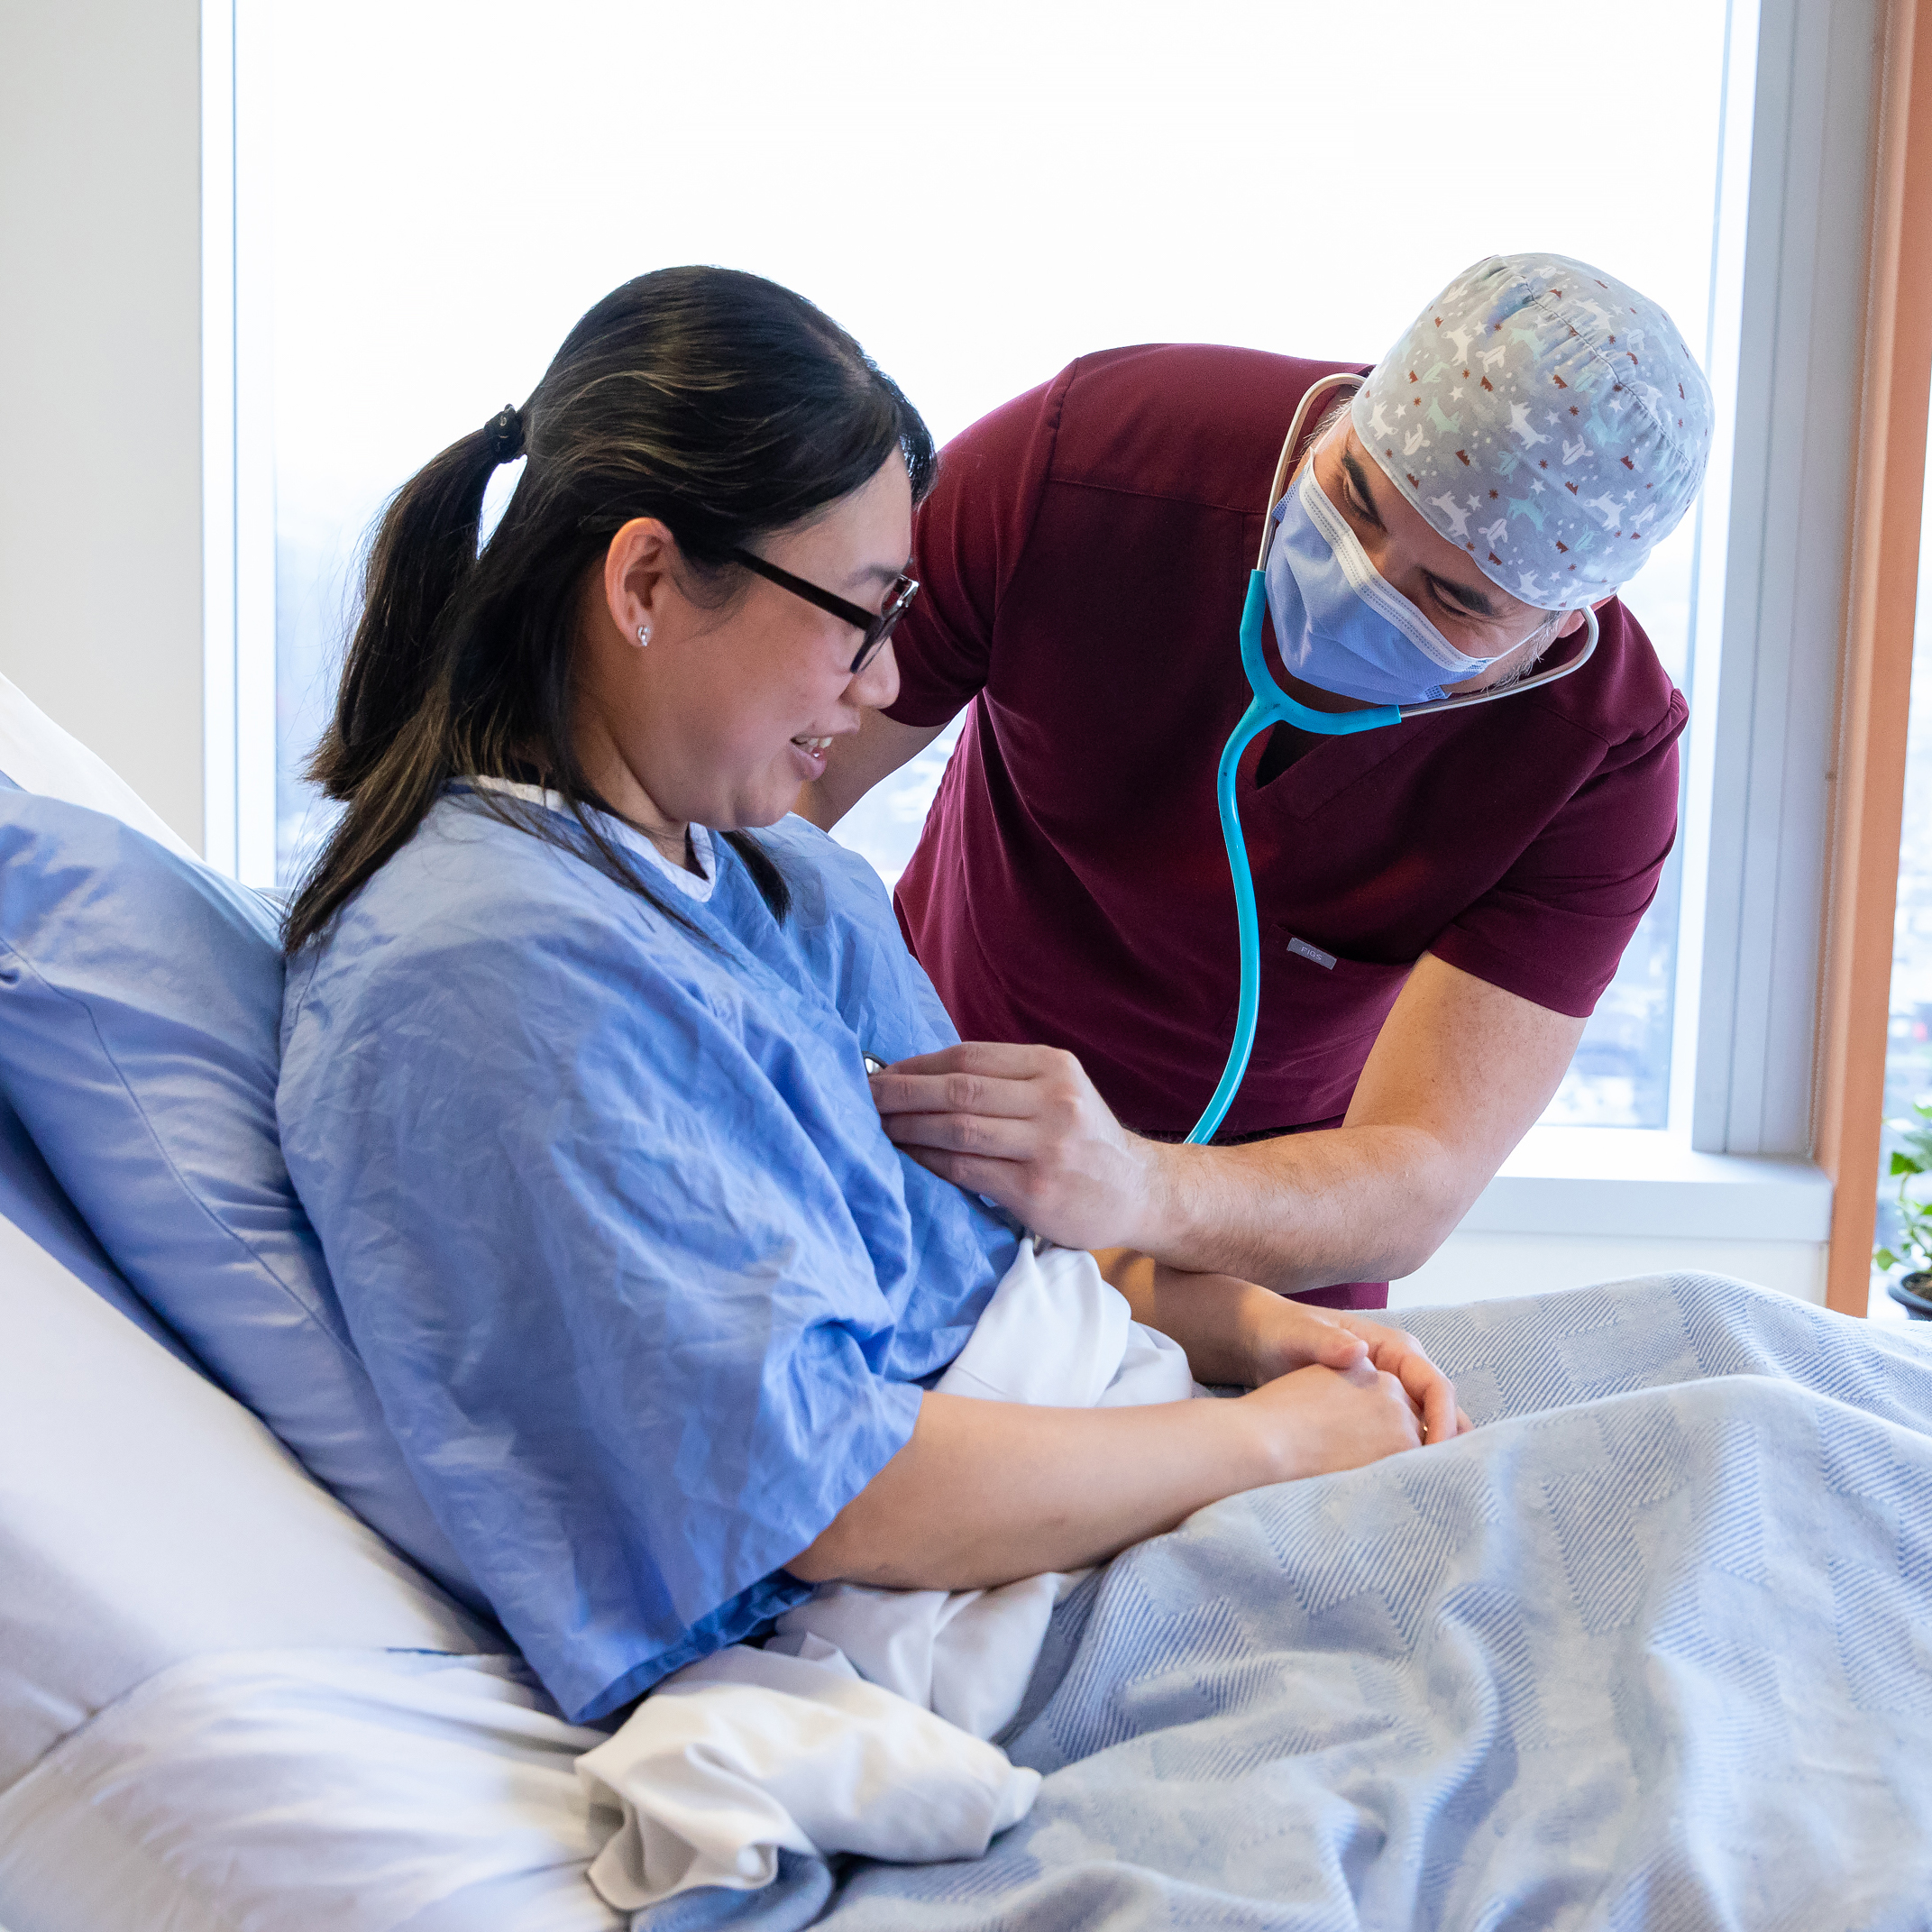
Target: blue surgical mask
1340 626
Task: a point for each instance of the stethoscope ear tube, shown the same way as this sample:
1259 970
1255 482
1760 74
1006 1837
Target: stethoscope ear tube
1516 686
1284 462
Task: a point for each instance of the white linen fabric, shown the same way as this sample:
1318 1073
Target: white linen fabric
861 1726
698 885
1562 1668
146 1518
1055 1335
747 1754
40 757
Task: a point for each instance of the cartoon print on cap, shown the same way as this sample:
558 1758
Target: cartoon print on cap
1546 418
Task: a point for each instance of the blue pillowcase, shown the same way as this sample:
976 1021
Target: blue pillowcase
36 1203
140 1020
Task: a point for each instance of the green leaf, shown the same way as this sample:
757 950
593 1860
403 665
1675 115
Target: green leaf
1884 1257
1904 1164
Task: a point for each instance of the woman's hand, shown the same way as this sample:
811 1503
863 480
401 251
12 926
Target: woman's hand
1290 1335
1314 1421
1235 1331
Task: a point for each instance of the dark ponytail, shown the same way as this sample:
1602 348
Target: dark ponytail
716 401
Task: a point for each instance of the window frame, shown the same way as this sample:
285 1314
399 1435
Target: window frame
238 444
1799 117
1881 622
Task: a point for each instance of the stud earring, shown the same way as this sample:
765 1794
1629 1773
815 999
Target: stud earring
644 636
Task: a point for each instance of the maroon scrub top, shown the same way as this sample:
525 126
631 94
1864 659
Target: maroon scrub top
1082 560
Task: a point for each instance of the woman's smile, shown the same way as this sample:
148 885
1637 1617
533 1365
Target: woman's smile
810 753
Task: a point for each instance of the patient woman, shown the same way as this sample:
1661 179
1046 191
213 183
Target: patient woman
574 1078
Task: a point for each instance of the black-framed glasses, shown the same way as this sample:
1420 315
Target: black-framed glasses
877 625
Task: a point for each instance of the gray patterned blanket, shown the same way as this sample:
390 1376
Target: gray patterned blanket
1652 1649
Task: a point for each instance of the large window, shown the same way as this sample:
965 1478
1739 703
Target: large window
980 195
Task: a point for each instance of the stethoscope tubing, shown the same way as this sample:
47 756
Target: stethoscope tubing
1271 705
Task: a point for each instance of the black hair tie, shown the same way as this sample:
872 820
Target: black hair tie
505 431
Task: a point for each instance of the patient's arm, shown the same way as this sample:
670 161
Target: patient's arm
1234 1331
984 1492
1231 1330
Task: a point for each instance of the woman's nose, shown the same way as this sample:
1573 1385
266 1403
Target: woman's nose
877 684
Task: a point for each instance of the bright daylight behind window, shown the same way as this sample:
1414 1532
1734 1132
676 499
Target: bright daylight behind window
980 194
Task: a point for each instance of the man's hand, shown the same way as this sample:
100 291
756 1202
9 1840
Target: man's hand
1460 1069
1025 1126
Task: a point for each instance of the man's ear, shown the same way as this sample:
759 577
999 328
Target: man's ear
1573 623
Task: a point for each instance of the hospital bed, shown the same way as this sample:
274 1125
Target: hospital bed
1663 1660
152 1525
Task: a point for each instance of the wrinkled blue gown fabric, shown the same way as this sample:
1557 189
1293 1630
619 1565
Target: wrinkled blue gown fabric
643 1286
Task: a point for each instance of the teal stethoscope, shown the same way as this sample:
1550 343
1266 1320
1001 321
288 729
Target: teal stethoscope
1272 705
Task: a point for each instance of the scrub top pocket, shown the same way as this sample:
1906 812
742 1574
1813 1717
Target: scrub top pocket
1317 1023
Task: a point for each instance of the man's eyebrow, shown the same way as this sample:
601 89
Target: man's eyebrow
1478 602
1359 476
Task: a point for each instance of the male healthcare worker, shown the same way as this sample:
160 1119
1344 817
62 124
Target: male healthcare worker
1442 902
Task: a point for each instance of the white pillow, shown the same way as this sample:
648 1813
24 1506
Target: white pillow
41 758
292 1790
146 1517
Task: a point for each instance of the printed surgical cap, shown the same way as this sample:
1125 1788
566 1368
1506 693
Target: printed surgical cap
1546 417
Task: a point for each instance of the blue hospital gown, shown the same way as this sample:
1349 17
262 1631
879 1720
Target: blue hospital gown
644 1287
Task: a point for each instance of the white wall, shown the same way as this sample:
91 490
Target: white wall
100 364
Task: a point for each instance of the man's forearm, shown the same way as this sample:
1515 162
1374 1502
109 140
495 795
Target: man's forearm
1459 1072
1306 1211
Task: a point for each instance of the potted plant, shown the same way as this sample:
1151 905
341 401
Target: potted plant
1912 1291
